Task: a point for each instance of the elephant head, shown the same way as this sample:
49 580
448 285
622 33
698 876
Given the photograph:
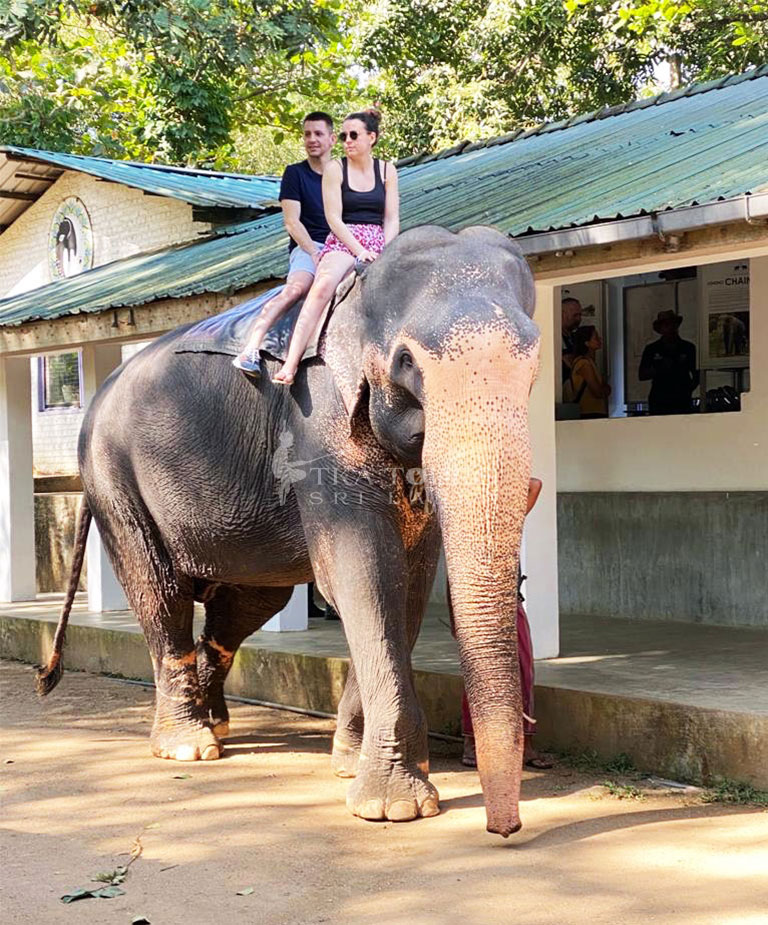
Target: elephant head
435 351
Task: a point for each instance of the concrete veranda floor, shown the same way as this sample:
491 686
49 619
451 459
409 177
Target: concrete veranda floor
80 790
714 667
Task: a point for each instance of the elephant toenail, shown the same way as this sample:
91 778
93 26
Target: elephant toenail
186 753
210 753
373 810
430 808
402 811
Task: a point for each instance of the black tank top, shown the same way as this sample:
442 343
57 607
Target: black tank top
362 208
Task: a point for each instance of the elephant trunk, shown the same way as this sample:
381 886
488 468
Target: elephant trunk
477 467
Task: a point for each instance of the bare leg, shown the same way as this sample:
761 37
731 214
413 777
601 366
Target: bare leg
331 271
296 287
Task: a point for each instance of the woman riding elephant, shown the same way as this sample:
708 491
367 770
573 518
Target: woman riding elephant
362 209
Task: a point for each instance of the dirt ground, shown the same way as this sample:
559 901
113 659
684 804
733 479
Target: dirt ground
79 787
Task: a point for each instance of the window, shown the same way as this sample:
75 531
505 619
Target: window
59 377
657 343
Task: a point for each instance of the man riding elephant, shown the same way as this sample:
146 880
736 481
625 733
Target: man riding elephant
428 362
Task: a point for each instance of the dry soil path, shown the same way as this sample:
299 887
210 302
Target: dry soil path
79 787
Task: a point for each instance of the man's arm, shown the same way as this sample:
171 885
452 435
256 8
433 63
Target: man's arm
646 364
293 225
695 374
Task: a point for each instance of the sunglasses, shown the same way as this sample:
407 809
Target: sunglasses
353 136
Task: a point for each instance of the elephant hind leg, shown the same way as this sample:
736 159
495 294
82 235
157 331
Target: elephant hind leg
163 603
231 614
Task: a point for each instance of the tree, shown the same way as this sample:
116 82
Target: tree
160 81
445 70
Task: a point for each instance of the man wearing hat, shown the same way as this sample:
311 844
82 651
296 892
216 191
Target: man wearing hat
670 364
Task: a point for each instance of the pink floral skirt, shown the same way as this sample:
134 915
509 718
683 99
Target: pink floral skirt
370 236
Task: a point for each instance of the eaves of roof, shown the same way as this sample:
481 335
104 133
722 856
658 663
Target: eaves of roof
205 188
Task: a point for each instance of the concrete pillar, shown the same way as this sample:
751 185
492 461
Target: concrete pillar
104 590
758 334
17 487
539 554
295 614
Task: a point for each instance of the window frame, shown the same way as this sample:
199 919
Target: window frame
42 379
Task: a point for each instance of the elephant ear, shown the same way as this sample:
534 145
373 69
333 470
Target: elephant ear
343 347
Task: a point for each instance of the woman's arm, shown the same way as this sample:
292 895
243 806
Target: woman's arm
588 372
391 206
332 208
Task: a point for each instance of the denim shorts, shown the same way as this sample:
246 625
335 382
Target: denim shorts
300 260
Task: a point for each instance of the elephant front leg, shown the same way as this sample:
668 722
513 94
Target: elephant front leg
348 738
368 577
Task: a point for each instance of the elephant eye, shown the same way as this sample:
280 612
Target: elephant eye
405 360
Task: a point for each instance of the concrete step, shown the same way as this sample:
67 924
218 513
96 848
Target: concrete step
663 736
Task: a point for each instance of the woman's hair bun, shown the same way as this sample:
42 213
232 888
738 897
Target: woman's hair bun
369 117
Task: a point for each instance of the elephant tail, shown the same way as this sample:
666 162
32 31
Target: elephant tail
49 675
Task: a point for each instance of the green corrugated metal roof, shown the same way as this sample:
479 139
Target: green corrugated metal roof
697 146
220 264
198 187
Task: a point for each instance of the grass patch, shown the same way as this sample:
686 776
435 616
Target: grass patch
731 791
623 791
588 760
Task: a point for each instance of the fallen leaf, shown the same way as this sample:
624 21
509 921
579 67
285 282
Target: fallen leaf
246 892
182 776
107 892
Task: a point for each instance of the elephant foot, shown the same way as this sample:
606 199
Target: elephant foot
221 730
344 758
191 742
399 796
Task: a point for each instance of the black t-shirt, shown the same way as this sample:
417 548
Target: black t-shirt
675 376
568 347
302 184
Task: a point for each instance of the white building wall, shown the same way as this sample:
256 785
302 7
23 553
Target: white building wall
125 221
697 452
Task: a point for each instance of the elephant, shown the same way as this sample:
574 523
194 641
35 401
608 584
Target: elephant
415 418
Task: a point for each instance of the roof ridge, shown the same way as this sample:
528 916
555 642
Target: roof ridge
41 153
543 128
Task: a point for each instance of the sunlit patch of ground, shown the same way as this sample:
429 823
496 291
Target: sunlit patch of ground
80 786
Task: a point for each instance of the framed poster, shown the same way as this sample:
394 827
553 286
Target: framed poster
724 300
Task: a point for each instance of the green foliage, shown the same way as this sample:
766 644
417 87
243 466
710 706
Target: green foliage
729 791
451 69
225 82
160 81
623 791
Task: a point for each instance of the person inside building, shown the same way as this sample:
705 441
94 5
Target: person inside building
590 389
362 208
571 319
301 199
531 758
670 364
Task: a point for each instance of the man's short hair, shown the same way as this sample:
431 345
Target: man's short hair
319 117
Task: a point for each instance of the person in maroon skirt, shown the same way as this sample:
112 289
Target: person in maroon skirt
525 657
